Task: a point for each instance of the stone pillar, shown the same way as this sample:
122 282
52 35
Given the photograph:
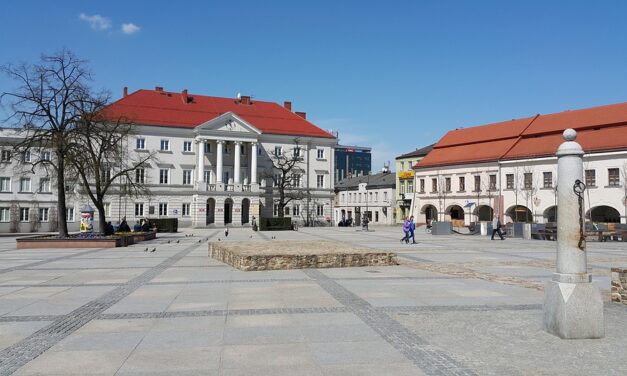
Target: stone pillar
236 162
253 163
200 164
219 147
573 308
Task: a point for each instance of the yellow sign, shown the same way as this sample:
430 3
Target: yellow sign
405 174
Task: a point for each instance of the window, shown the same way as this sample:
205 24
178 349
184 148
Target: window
164 176
462 184
613 177
528 180
187 146
26 156
434 185
5 215
296 210
296 179
402 166
287 210
320 181
276 181
227 148
6 156
369 197
360 197
107 209
477 183
165 145
45 156
376 216
385 196
24 213
5 184
43 214
591 178
44 185
447 184
509 181
402 186
275 210
25 185
297 151
163 208
140 144
342 197
139 209
140 176
320 154
207 147
422 185
319 210
185 210
69 214
278 151
106 173
207 177
187 177
547 179
492 182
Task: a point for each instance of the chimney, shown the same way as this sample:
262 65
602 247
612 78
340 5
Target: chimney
244 99
125 94
287 105
301 114
184 96
158 88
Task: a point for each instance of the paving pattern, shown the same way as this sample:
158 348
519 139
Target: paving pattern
457 305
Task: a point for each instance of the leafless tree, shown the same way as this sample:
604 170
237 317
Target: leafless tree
104 162
529 189
50 98
286 176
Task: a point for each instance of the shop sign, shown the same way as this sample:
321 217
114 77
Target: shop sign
405 174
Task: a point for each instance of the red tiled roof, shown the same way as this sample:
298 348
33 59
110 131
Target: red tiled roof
599 129
168 109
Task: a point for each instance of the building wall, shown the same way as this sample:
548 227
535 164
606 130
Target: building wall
176 194
404 187
538 198
379 201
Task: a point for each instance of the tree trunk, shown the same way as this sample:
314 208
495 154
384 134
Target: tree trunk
101 218
61 205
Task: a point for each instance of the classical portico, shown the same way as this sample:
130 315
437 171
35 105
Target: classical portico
226 171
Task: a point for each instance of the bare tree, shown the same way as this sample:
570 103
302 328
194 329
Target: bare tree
50 98
286 176
530 188
104 162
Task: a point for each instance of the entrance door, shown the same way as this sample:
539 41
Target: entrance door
245 210
228 211
210 211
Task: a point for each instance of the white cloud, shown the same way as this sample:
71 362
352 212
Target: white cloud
96 22
130 28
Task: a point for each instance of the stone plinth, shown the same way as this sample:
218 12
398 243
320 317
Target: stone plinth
619 285
279 255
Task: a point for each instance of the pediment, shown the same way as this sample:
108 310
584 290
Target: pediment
228 123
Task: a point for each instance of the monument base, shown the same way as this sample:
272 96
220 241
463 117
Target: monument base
573 310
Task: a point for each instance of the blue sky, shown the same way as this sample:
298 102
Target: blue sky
392 75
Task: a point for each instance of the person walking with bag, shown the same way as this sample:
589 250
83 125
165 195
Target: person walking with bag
412 230
496 228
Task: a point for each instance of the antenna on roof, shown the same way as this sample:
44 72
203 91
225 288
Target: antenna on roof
239 96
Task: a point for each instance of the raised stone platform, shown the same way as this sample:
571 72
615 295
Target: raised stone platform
278 255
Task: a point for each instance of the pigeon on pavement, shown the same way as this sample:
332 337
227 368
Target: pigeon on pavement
154 249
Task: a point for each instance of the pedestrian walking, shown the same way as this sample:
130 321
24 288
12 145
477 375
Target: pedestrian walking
412 230
496 228
405 230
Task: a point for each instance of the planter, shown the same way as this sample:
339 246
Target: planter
441 228
43 242
142 236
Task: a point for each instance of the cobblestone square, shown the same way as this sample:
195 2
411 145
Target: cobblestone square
456 305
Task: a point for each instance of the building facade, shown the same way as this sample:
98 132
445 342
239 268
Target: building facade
372 195
405 181
352 161
213 165
510 169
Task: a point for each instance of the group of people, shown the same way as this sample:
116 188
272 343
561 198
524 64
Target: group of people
409 228
140 226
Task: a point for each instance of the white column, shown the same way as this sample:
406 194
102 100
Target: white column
253 164
236 163
219 147
200 165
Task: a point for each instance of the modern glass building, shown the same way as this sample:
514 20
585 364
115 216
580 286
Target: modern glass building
352 161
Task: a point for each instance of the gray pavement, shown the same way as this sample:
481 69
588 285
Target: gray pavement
456 305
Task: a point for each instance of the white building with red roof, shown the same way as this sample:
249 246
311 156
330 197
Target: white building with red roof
214 157
509 169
